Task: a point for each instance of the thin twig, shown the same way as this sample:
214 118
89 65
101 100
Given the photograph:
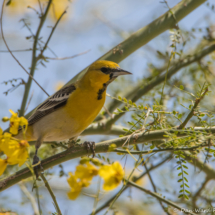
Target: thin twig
154 188
161 150
21 50
37 195
152 182
198 192
190 115
66 58
97 196
34 59
41 10
52 31
51 194
12 53
29 101
30 197
159 197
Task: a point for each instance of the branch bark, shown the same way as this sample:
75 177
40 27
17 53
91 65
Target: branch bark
79 150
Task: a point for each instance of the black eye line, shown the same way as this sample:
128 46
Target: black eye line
106 70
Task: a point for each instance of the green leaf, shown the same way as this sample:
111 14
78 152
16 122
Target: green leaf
134 104
185 172
120 98
116 113
185 179
119 110
179 173
186 197
186 185
125 100
179 115
181 87
180 180
180 196
185 166
187 191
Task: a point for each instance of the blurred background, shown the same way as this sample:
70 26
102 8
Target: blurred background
89 29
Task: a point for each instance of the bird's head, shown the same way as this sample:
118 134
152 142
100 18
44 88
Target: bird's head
103 72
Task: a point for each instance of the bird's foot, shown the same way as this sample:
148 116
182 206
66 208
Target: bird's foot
37 166
90 146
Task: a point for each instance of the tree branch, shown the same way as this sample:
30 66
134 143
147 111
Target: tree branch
79 150
34 60
51 194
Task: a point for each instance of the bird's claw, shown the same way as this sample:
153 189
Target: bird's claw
37 166
90 146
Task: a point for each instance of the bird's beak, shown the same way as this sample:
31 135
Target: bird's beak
120 71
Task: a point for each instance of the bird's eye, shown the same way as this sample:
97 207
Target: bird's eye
105 70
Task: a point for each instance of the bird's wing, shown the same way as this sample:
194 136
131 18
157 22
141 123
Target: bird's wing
56 101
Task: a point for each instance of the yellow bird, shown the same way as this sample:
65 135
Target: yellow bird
72 109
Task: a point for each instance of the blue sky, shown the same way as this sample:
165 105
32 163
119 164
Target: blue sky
91 25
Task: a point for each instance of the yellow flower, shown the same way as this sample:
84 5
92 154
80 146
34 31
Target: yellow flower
14 123
86 172
16 152
82 177
20 155
23 121
3 165
5 138
112 175
75 187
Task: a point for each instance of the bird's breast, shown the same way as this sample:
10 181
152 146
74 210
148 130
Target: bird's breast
83 106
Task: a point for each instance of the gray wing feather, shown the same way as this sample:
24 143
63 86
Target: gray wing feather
56 101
